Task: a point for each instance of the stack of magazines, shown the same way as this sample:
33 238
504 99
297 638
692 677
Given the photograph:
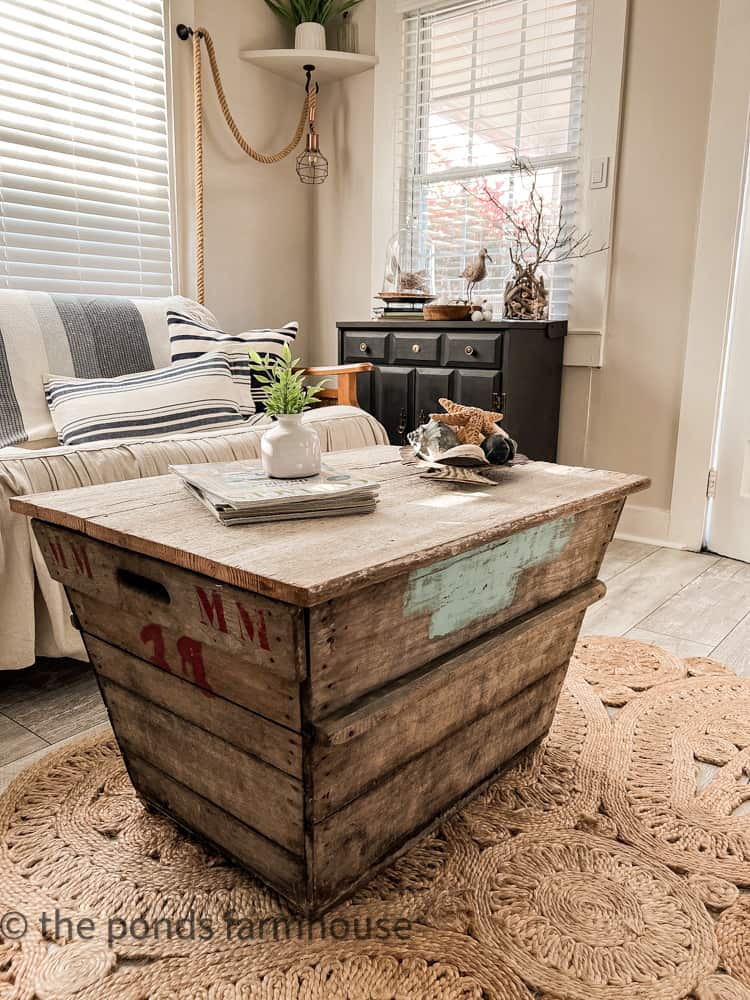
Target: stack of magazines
241 493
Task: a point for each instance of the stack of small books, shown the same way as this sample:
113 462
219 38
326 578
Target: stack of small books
241 493
403 305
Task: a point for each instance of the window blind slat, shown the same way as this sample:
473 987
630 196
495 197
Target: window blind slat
84 147
63 42
147 16
16 111
148 11
86 133
45 204
126 113
57 252
122 175
71 217
480 79
25 63
25 43
17 185
34 75
110 273
39 139
88 23
79 284
75 234
42 177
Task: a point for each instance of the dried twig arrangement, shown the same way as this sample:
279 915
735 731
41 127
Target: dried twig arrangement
535 237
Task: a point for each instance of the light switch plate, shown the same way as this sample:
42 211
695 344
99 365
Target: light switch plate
600 172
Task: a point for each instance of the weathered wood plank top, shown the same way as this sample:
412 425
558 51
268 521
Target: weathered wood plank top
309 561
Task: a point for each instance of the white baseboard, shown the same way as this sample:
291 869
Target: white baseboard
646 524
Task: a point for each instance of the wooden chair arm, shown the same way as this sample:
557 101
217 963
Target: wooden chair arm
345 393
361 366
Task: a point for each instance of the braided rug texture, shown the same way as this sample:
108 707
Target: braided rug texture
613 863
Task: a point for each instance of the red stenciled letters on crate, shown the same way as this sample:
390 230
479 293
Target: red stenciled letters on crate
249 626
190 652
78 563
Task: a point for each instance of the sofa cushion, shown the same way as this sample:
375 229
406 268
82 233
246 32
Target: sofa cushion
194 395
190 338
88 336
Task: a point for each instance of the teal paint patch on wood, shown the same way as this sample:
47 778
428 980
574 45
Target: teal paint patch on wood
480 583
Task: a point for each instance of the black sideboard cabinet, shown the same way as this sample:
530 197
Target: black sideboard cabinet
511 367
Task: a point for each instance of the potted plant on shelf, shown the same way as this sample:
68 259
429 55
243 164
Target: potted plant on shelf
288 450
309 18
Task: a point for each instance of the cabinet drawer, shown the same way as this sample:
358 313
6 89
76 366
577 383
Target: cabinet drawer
464 350
416 348
360 346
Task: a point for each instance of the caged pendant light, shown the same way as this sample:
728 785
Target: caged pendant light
312 166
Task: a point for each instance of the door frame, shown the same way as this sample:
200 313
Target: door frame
714 273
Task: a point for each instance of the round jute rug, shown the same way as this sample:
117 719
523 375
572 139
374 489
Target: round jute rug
613 863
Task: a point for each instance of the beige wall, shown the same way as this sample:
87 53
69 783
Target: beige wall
258 217
342 219
635 398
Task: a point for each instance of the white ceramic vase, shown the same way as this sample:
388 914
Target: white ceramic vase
289 449
310 35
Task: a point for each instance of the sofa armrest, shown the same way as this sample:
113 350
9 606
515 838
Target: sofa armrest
345 393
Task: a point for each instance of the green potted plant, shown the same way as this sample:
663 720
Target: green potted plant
288 450
309 18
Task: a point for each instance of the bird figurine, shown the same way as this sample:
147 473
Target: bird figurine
476 271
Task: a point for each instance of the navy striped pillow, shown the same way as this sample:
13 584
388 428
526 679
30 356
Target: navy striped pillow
191 339
82 336
194 396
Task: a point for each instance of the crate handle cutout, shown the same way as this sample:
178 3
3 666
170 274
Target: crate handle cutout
151 588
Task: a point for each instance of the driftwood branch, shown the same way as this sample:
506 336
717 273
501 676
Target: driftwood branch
536 238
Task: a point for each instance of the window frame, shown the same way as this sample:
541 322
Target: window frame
414 177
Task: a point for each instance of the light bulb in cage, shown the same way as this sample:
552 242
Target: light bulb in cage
312 166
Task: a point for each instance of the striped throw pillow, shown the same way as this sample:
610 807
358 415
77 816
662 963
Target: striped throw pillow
83 336
191 338
187 397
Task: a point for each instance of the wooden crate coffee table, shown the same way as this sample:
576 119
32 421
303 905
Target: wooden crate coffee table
311 696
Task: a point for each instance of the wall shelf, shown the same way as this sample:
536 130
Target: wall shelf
329 65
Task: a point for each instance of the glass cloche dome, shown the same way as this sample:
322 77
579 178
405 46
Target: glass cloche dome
409 265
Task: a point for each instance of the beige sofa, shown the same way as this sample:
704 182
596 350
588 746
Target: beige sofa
34 613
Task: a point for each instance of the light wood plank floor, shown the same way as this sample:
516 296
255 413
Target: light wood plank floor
693 604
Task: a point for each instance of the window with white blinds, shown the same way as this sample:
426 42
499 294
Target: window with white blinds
482 79
84 148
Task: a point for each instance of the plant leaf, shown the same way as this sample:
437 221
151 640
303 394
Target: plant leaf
281 11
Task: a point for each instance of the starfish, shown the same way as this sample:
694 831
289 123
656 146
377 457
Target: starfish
471 424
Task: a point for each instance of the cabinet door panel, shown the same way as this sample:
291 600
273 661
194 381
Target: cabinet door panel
532 374
393 395
429 385
478 388
364 391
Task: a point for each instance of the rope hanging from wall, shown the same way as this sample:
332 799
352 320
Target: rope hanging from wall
307 116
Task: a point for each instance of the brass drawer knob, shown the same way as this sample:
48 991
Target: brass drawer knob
468 349
416 348
363 347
